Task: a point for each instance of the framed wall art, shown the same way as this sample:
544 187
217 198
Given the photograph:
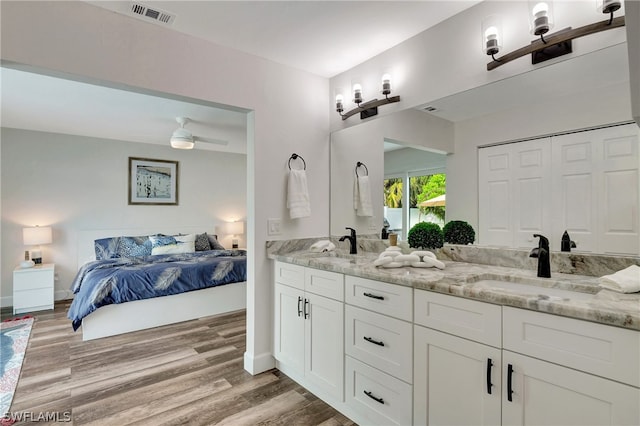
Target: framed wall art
153 182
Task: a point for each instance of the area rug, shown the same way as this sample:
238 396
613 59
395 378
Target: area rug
14 336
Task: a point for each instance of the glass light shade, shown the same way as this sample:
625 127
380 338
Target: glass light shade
234 228
386 84
608 6
357 93
541 16
339 103
34 236
491 35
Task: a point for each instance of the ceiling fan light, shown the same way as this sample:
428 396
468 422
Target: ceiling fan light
182 139
181 144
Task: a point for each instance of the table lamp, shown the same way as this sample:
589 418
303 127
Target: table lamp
234 228
35 236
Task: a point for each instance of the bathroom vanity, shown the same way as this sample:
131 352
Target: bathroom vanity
470 344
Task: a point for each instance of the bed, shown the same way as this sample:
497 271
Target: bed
142 282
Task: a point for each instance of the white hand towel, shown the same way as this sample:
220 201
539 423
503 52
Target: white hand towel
624 281
362 196
298 201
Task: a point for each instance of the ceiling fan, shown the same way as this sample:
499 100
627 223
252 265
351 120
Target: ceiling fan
184 139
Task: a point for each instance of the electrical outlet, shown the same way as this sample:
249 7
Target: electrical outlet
274 226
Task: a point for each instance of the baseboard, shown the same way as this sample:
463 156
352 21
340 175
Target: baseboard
258 364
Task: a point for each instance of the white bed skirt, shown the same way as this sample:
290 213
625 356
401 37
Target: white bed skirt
137 315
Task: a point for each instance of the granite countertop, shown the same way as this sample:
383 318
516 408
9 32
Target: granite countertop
569 295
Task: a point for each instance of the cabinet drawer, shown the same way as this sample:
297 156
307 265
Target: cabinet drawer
324 283
599 349
388 299
291 275
33 280
380 341
375 396
33 300
477 321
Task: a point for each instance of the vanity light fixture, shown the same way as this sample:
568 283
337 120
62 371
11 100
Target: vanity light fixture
554 45
366 109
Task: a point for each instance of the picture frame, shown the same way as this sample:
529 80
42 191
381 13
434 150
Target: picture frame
153 182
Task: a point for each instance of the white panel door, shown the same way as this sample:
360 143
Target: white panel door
324 341
494 192
619 187
574 190
289 327
456 381
531 191
540 393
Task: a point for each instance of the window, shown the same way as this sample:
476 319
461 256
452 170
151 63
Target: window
423 188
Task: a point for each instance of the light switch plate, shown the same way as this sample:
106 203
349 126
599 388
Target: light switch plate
273 226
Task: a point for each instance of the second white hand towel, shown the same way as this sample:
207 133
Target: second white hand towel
298 200
624 281
362 196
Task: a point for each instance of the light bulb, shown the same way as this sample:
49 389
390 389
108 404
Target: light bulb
386 84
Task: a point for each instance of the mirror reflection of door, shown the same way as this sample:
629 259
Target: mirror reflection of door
414 187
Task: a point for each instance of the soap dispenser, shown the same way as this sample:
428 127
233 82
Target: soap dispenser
566 244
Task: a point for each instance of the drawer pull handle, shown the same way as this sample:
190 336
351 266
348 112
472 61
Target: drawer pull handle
375 342
376 399
489 384
373 296
509 383
299 306
306 308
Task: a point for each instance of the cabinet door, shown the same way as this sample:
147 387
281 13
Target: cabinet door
289 326
548 394
456 381
324 341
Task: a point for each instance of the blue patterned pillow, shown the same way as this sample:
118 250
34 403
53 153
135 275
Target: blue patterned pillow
118 247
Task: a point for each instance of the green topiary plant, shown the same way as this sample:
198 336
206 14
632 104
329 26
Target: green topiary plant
459 232
427 235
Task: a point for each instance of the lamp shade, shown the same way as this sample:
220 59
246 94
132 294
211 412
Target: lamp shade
36 235
234 228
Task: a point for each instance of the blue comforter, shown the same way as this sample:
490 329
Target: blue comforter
104 282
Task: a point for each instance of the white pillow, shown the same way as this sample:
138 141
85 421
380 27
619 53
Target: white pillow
184 244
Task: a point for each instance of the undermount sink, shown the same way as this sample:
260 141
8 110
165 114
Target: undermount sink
533 289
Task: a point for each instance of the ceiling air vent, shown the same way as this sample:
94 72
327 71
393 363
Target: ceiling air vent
154 14
429 108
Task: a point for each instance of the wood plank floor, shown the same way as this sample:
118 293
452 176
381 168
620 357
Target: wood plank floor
189 373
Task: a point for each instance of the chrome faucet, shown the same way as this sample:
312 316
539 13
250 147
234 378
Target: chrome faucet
352 240
542 254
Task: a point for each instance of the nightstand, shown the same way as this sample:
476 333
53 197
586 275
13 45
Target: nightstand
33 288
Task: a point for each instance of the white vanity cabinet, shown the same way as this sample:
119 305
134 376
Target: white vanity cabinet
309 326
457 380
562 371
378 346
544 369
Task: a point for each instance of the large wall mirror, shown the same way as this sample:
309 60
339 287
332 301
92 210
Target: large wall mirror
585 92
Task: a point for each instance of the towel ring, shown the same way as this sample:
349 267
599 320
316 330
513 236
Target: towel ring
358 164
295 157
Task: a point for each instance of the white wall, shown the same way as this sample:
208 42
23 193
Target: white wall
632 20
76 184
404 160
93 44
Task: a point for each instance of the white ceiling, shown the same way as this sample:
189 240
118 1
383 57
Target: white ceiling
322 37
